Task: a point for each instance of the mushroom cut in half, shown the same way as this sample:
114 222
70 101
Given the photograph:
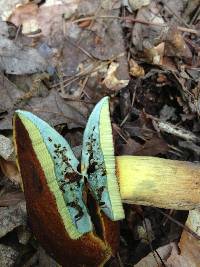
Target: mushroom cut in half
73 220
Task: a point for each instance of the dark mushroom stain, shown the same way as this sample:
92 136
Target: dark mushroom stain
69 180
95 164
76 206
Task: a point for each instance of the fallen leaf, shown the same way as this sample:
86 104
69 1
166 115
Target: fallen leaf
153 147
137 4
7 7
11 198
12 217
9 94
6 148
51 108
160 49
167 113
111 81
139 129
135 70
37 19
189 245
44 259
26 16
176 45
152 259
148 34
14 57
55 110
8 255
10 170
129 147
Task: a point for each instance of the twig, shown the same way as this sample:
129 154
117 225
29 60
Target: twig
177 131
183 29
155 252
80 48
148 23
118 132
176 15
120 18
119 260
91 70
186 228
83 85
195 16
173 129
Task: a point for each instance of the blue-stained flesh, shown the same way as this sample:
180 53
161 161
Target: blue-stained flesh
93 165
70 181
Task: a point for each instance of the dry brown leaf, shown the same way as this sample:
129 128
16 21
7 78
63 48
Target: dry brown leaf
9 94
85 24
148 35
6 148
135 70
44 259
130 147
10 170
13 58
111 81
152 260
8 6
12 217
11 198
189 245
26 15
47 18
77 45
137 4
153 147
160 48
8 255
176 45
51 108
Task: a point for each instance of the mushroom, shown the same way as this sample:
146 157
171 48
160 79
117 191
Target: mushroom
55 204
71 217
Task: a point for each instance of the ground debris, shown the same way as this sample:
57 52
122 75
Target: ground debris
8 256
12 217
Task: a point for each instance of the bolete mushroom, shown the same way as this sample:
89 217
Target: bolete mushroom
71 217
58 204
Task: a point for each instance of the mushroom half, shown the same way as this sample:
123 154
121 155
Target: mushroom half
63 212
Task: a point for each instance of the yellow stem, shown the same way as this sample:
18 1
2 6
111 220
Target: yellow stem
159 182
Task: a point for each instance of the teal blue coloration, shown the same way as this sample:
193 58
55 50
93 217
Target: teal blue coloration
70 181
93 166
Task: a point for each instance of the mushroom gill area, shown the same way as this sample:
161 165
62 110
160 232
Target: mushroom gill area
95 215
106 229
